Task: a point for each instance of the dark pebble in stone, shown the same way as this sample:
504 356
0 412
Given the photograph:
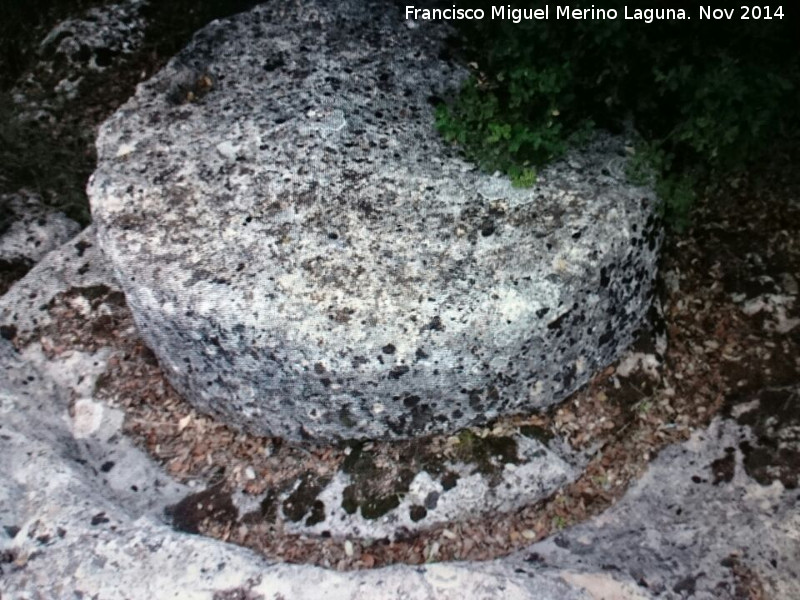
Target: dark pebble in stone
431 500
417 513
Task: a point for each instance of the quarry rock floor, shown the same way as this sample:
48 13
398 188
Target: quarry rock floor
727 329
692 433
721 351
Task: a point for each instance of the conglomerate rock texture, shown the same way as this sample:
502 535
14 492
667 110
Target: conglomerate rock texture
82 509
28 231
308 259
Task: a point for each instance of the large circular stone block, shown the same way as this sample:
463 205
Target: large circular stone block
308 259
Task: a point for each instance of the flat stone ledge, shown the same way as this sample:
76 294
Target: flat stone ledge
30 229
309 260
68 530
461 493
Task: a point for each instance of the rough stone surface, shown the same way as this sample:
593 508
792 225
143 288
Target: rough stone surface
93 40
81 510
76 264
727 498
535 472
29 229
485 479
68 533
309 260
708 514
101 37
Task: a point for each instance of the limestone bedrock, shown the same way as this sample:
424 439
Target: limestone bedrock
81 507
308 259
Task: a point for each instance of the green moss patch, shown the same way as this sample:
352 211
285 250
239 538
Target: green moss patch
489 454
379 482
535 432
303 500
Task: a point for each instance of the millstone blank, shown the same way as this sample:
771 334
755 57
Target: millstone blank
308 259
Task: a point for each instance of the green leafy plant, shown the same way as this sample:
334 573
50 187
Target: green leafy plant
651 165
705 97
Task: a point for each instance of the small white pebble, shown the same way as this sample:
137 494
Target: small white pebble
348 548
250 473
227 150
88 416
529 534
125 149
449 534
434 550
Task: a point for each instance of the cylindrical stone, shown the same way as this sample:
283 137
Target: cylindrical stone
309 259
